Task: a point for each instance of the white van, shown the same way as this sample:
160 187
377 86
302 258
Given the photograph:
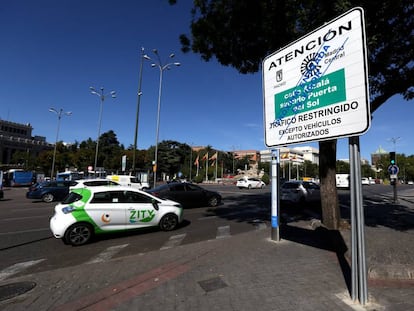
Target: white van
342 180
130 181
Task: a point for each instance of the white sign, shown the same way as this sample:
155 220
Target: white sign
316 88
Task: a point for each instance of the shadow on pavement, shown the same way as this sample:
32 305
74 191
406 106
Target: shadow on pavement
322 238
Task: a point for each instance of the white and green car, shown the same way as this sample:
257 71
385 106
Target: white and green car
102 209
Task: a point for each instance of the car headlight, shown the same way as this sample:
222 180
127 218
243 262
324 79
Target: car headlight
68 209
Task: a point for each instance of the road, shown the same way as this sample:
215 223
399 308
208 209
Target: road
27 245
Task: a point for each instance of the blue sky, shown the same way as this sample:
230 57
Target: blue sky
53 51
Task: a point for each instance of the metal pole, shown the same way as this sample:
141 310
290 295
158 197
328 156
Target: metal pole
158 128
138 105
161 68
99 132
354 272
102 98
191 159
275 196
59 115
359 236
56 140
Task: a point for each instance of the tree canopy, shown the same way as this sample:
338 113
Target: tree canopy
241 33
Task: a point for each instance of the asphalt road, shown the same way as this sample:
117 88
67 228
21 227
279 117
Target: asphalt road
27 245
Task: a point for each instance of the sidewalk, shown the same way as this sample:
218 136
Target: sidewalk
304 271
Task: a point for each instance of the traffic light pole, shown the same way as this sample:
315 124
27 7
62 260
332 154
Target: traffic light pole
395 192
393 170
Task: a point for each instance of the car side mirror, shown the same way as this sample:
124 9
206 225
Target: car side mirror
155 204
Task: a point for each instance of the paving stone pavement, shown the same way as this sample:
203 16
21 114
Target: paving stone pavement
248 271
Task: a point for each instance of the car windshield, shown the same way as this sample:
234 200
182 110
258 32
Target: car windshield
290 185
71 197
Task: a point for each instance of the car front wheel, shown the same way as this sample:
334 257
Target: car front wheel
78 234
213 202
48 197
168 222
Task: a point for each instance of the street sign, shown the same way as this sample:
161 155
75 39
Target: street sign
393 169
316 88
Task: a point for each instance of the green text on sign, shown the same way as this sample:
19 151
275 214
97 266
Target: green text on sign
324 91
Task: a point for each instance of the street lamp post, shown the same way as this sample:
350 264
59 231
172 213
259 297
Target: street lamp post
161 67
138 104
102 97
59 115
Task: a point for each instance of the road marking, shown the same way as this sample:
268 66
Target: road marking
223 232
173 241
25 231
18 267
107 254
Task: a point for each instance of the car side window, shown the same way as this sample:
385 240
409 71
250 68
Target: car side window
192 188
101 197
134 197
178 187
313 186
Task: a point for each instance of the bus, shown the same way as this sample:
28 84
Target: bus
18 178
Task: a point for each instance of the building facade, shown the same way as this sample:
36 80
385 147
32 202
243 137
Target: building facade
16 137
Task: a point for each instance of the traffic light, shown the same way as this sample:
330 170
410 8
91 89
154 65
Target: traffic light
392 158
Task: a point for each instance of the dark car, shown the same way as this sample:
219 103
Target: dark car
49 191
189 195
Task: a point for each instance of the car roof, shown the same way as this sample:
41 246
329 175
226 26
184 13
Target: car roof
110 188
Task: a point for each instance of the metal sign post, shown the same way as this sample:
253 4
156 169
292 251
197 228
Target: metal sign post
359 269
275 195
316 89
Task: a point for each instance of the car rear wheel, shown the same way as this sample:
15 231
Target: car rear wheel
168 222
249 187
78 234
213 202
48 197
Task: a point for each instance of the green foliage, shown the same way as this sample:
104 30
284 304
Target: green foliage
342 167
219 29
265 178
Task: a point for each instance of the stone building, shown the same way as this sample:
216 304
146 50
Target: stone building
18 137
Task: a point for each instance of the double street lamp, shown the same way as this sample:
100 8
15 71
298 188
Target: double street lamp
137 114
59 114
102 97
157 63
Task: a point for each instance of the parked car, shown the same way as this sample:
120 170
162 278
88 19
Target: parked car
300 192
49 191
189 195
365 181
83 183
102 209
249 183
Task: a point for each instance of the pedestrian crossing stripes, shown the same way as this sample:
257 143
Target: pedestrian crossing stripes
110 252
18 267
107 254
223 232
173 241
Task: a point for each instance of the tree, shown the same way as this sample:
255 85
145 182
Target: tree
241 33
